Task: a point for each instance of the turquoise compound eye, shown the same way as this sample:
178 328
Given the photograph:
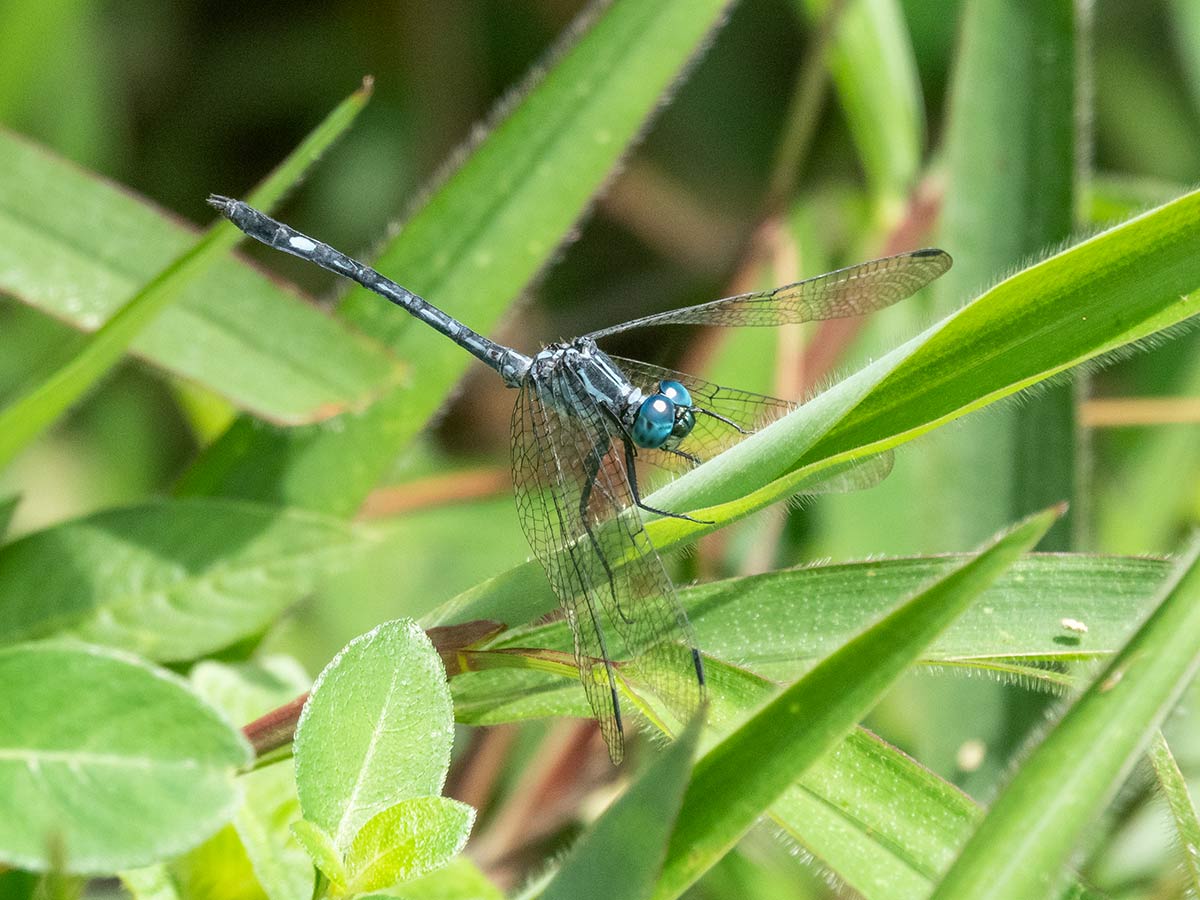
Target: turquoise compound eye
677 392
654 421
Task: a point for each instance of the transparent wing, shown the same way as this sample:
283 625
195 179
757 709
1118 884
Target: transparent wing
576 508
847 292
741 414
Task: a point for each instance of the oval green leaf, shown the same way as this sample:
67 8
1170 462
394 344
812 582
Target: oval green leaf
114 761
376 730
406 841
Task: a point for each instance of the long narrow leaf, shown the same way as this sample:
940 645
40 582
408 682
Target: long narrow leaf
1020 849
77 248
27 416
738 779
1183 811
1101 296
1011 159
1046 608
477 243
876 79
619 858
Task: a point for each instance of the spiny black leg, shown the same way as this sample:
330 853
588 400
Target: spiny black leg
694 460
631 471
721 418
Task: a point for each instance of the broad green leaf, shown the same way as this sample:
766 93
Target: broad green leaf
377 729
476 244
27 416
319 847
736 781
1183 811
887 826
243 693
1023 844
620 856
776 625
460 880
876 79
77 248
170 580
406 841
114 760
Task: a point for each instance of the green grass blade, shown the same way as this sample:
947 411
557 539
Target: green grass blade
1010 158
620 857
77 248
29 415
735 782
1185 21
476 244
1022 845
884 824
1183 811
873 69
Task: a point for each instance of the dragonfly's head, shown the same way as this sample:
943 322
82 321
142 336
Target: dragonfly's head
664 418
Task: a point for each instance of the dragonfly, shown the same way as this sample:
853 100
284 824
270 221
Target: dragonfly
581 421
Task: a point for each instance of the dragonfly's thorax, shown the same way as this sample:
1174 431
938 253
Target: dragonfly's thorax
592 372
579 375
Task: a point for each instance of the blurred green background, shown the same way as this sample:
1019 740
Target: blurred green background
176 100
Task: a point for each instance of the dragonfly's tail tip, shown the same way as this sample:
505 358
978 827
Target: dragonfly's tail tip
220 203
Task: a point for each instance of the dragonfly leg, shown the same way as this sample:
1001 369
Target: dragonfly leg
694 460
720 418
631 471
